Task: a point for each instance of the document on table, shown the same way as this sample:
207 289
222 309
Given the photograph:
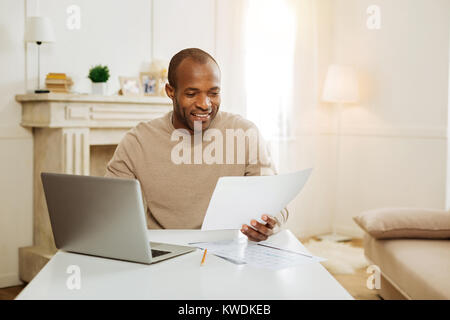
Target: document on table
261 255
237 200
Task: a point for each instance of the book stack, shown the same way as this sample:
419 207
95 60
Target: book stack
58 82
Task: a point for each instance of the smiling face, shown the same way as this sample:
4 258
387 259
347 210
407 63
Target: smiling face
196 96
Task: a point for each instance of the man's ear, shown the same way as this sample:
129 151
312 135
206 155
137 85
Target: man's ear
170 91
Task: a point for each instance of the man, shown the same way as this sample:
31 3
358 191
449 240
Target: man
177 189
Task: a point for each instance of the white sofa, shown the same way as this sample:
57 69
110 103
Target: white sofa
411 268
411 247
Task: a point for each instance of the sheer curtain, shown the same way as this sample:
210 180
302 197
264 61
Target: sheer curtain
267 50
270 30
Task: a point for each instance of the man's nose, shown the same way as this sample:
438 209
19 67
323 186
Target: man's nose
204 102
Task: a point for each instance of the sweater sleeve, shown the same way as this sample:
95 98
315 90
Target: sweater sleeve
121 164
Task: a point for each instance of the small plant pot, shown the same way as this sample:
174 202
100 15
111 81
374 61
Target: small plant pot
99 88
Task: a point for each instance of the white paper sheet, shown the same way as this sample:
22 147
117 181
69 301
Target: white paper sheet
257 255
237 200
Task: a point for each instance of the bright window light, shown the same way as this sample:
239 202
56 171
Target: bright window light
269 62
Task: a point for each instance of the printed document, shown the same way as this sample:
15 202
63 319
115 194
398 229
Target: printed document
261 255
237 200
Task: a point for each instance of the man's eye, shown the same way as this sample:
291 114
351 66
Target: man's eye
214 94
190 95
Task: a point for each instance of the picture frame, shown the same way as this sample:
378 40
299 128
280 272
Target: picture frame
149 82
130 86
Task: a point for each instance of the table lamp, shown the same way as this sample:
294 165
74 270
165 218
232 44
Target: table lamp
39 30
341 87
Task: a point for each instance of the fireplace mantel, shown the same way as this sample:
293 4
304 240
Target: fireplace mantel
65 127
55 110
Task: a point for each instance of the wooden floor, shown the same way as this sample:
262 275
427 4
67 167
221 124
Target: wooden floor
355 283
10 293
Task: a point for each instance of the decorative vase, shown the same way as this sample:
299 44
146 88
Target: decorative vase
99 88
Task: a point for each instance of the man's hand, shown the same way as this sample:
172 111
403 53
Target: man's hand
258 231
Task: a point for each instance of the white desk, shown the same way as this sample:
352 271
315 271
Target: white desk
183 277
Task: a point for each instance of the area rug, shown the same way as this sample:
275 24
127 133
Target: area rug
341 258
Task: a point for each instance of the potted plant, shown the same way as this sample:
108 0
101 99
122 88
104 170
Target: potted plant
99 75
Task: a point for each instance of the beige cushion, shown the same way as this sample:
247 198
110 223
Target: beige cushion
405 223
418 268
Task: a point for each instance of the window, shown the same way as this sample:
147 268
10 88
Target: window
269 65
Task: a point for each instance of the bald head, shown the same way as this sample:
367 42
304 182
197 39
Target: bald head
195 54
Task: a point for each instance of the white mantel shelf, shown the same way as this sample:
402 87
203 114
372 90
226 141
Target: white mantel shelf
58 110
73 97
65 127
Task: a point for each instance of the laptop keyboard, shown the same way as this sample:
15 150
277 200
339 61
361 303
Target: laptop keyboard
157 253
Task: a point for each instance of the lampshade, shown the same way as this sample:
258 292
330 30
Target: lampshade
39 29
341 85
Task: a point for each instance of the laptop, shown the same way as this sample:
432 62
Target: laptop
102 217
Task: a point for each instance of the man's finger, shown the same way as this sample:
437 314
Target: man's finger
253 234
270 221
264 229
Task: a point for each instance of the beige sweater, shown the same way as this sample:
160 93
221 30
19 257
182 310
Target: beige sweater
176 195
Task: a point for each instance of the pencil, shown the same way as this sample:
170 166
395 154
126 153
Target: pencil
204 256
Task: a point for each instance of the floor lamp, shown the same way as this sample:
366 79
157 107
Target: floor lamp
341 87
39 30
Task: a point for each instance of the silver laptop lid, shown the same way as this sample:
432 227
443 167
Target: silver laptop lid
97 216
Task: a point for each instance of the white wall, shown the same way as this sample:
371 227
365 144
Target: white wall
183 24
393 143
16 145
115 33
